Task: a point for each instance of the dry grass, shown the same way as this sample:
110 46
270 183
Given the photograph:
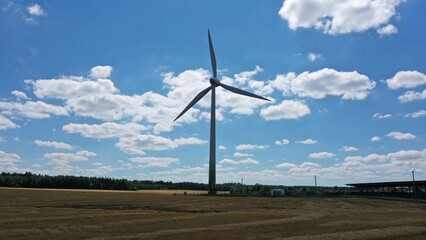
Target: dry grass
80 214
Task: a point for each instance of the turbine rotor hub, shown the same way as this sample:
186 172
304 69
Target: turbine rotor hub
214 81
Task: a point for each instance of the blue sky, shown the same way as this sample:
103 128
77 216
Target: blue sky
92 88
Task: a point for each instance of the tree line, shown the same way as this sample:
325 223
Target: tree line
30 180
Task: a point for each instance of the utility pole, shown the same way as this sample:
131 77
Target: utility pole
414 185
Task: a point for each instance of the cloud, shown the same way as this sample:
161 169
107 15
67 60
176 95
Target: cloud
314 56
406 79
250 147
288 109
246 76
99 170
349 149
154 161
244 161
221 147
410 96
417 114
33 12
101 72
401 158
309 165
189 141
307 141
9 159
338 17
57 145
68 87
322 155
387 30
130 139
138 144
381 116
184 87
282 142
371 158
60 158
400 136
375 139
319 84
105 130
6 123
238 154
285 165
30 109
36 10
98 98
20 95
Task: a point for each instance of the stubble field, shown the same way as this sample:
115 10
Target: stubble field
84 214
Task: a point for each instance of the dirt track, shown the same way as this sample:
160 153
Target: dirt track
57 214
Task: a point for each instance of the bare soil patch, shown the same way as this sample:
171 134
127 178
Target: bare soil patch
100 214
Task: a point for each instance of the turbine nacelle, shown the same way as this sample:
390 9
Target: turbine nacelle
214 82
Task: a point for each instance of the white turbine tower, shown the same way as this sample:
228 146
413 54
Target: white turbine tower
214 82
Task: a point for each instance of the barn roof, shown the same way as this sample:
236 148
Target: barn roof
388 184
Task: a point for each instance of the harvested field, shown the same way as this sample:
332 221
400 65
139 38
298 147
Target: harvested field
81 214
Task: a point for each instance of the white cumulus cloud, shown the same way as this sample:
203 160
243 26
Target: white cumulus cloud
36 10
349 149
406 79
250 147
410 96
59 158
138 144
244 161
314 56
307 141
338 17
282 142
287 109
8 159
387 30
20 95
417 114
30 109
154 161
238 154
101 72
375 139
5 123
57 145
104 130
285 165
322 155
400 136
319 84
189 141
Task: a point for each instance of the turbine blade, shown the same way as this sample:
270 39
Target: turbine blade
242 92
212 56
194 101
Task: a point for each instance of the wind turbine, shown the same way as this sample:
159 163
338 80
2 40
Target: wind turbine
214 82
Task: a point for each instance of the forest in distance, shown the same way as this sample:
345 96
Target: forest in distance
30 180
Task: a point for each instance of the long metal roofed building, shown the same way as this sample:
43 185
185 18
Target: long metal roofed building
415 190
